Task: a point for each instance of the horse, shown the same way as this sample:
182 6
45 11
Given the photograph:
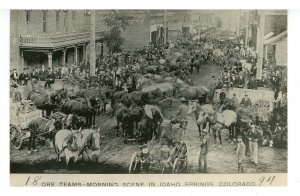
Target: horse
150 124
120 97
123 115
43 127
218 121
69 142
195 108
81 107
91 143
41 101
71 121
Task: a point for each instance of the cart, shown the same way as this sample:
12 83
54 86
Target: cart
262 102
21 114
178 162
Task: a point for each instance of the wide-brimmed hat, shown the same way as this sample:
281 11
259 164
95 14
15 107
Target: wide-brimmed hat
239 136
164 142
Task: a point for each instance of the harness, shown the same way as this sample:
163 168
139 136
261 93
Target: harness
90 144
46 128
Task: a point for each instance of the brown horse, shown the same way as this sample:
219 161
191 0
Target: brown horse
45 102
42 127
81 107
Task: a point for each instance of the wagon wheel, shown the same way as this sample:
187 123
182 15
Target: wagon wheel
133 164
180 164
262 104
283 133
15 137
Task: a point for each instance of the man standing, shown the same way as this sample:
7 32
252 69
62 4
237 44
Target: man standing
14 75
50 78
43 73
246 101
213 85
240 152
204 143
253 137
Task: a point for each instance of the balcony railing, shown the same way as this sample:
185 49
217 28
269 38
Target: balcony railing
57 40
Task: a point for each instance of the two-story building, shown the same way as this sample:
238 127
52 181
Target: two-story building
49 37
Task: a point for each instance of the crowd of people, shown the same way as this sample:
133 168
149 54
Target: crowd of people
182 58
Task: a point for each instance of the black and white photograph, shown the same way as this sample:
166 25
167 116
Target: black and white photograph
158 91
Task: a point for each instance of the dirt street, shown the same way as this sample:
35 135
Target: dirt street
115 155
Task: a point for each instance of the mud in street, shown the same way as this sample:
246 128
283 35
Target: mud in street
115 155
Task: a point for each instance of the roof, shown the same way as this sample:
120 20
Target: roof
276 38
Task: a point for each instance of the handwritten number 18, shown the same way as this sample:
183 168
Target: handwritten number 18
35 180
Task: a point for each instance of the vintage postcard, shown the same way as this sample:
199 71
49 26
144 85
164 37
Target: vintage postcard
192 97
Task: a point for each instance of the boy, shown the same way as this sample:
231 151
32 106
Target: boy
204 143
164 155
240 152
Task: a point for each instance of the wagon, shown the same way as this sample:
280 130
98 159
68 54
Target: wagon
178 160
262 101
179 163
21 113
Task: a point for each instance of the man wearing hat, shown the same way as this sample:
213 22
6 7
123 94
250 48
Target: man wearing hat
50 78
43 73
253 137
204 145
213 85
246 101
252 83
240 152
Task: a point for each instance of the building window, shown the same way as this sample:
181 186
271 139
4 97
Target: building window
44 21
73 18
28 16
57 20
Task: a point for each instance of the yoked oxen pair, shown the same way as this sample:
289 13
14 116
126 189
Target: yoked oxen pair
206 116
74 143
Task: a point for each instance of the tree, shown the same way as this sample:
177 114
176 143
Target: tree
116 22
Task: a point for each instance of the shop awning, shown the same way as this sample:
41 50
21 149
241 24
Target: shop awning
275 38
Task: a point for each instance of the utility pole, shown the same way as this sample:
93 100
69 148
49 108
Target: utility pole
260 44
247 29
92 45
238 23
165 28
